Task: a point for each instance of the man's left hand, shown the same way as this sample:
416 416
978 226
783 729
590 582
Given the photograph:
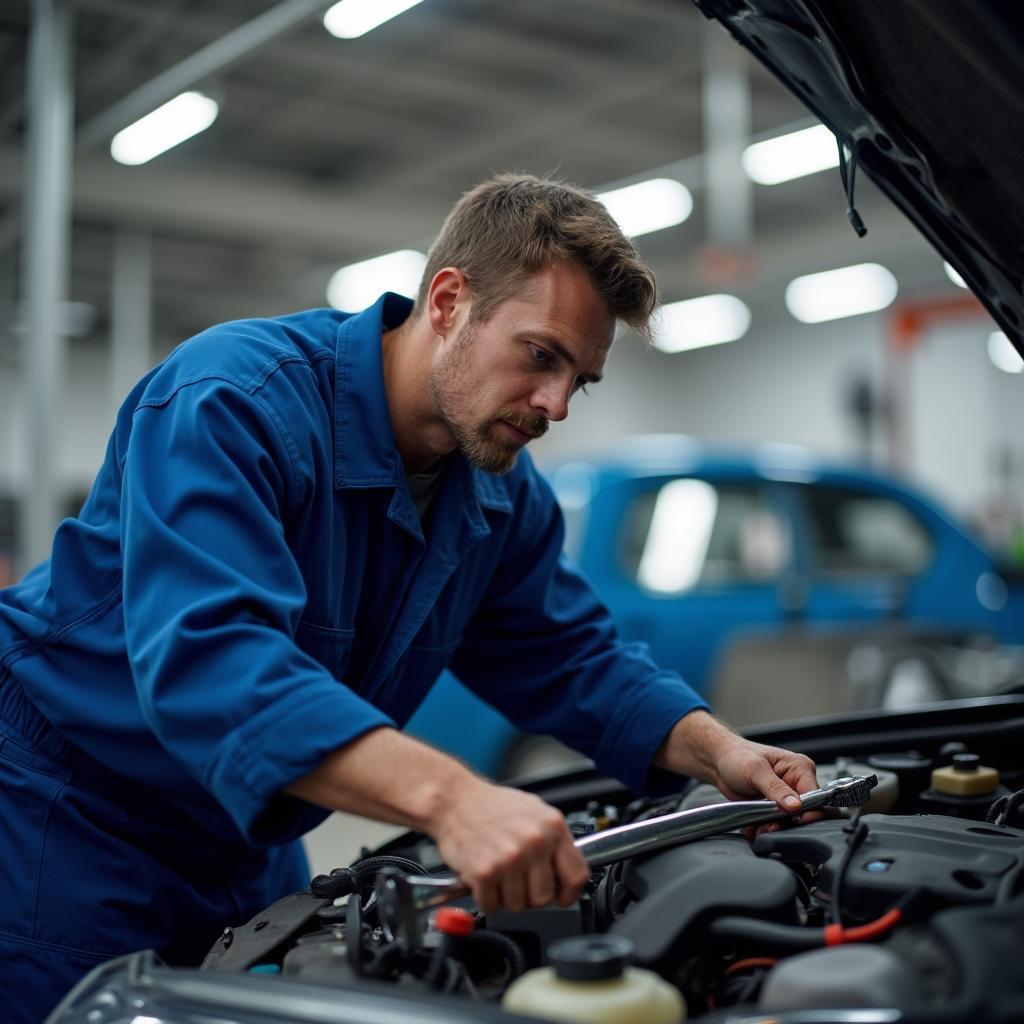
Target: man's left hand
702 747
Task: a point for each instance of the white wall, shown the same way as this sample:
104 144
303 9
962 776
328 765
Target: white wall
782 385
967 420
87 418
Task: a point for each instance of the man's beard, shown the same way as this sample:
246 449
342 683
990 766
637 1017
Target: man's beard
483 445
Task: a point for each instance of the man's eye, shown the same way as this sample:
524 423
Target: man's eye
539 355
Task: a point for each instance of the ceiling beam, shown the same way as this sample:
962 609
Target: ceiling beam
244 204
237 203
212 59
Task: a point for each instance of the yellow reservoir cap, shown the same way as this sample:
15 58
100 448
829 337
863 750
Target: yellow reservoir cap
965 780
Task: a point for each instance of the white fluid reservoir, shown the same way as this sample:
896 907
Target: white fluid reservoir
589 980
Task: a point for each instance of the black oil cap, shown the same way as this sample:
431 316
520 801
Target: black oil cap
590 957
949 750
966 762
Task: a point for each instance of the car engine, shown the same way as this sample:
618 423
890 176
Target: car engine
907 908
912 902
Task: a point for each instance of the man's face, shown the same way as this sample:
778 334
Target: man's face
499 383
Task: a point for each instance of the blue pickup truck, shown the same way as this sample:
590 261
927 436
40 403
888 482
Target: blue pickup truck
695 548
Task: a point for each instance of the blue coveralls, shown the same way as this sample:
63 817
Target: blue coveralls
246 589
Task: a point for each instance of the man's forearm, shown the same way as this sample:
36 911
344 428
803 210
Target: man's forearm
511 848
694 746
387 776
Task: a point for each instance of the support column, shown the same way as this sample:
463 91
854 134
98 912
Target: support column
728 195
131 317
46 229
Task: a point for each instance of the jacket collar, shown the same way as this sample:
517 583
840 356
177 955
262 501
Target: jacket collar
365 454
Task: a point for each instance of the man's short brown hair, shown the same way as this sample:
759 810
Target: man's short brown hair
513 225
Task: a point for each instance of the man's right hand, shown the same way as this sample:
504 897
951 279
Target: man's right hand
512 849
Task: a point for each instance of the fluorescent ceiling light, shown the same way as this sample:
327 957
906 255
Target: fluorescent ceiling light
1003 354
360 284
953 275
352 18
696 323
167 126
791 156
648 205
834 294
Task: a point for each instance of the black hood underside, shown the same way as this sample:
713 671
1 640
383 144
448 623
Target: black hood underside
928 98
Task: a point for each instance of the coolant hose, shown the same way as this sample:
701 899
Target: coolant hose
363 873
509 949
792 938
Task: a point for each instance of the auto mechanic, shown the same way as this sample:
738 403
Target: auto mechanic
298 523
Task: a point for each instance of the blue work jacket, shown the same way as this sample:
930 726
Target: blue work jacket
248 586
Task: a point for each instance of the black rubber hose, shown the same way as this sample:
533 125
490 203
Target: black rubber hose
995 810
1006 818
344 881
354 935
603 903
1003 811
439 972
368 869
509 949
340 882
767 934
857 837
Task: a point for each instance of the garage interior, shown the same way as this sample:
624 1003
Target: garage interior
326 152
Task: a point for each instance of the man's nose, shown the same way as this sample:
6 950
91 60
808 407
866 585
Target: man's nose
552 400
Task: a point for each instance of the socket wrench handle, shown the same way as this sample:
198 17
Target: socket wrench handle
404 898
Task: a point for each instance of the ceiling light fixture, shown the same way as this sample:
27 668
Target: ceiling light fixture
833 294
791 156
1003 354
648 205
953 275
697 323
360 284
350 19
162 129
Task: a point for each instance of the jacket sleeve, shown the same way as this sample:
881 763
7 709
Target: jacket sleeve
212 598
543 650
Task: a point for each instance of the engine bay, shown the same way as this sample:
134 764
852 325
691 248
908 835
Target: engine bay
908 908
912 902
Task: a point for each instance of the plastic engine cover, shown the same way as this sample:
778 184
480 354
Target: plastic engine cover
958 861
687 886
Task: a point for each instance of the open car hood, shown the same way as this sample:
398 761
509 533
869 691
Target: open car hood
928 100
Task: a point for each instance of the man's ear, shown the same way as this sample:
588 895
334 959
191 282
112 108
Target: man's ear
448 293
